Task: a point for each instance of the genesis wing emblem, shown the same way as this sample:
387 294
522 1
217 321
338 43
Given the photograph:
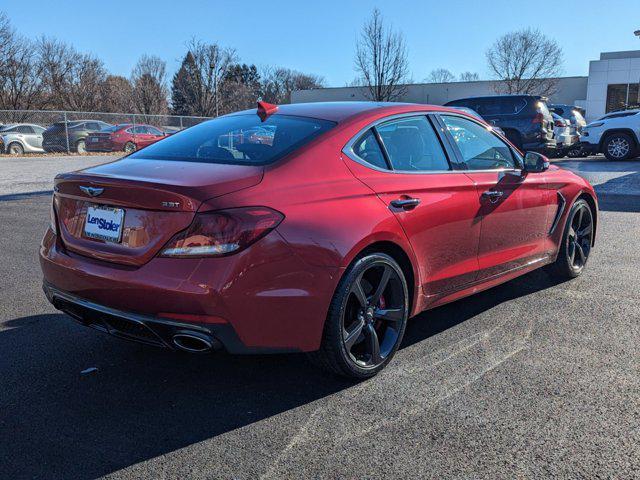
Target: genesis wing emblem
93 191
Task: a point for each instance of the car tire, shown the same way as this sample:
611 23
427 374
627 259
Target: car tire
575 152
130 147
361 333
576 243
15 149
619 146
81 146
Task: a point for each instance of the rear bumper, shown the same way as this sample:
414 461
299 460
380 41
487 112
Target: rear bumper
541 146
99 147
154 331
263 299
56 145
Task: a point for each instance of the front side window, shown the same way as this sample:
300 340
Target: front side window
233 139
412 145
480 149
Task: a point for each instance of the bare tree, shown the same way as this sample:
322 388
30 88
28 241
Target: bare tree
70 80
20 87
381 60
278 83
469 77
116 95
441 75
149 80
526 61
210 64
7 38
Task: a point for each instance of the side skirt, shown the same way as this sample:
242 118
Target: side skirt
486 283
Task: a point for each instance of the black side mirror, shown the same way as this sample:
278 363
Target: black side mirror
535 162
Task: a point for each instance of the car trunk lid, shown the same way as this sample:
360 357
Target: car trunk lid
157 199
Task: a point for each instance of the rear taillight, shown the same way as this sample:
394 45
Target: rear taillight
538 118
222 232
52 212
559 123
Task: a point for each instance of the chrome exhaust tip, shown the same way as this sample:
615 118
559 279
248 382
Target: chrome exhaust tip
193 342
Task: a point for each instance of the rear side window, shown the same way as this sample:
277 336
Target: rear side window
493 105
233 140
412 145
368 149
25 129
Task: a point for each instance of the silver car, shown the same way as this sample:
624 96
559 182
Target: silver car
21 138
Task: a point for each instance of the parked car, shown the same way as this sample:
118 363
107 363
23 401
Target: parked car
54 138
575 115
125 137
562 133
475 114
525 119
572 113
21 138
357 216
616 135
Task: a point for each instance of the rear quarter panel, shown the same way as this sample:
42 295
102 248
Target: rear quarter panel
330 216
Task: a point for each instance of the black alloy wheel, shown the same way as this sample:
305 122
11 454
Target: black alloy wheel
576 241
366 320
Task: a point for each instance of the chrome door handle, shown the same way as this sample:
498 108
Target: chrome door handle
493 195
405 203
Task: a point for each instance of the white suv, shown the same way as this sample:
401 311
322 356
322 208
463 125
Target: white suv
616 135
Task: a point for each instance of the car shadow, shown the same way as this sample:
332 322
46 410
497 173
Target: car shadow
142 402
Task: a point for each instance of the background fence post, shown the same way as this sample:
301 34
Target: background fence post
181 127
66 131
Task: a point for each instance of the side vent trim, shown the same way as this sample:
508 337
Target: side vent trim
562 203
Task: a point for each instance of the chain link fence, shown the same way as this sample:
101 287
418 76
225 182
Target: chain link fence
48 131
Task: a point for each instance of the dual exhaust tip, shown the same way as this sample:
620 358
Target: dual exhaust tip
195 342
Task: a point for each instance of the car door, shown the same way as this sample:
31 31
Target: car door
37 138
404 162
151 135
28 136
515 206
139 135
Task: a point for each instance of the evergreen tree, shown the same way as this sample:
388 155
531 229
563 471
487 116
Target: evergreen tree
184 96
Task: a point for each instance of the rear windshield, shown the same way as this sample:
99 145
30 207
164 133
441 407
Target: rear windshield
237 139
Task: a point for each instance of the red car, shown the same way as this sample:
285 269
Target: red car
125 137
356 217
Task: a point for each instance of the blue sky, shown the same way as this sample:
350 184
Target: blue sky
319 36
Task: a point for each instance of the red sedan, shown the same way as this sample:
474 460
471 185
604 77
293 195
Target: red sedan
125 137
355 217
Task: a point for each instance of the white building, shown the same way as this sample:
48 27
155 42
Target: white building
612 84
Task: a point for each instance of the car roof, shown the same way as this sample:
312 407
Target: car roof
341 111
631 110
493 97
13 125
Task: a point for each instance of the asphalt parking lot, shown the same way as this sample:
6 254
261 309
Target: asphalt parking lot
531 379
